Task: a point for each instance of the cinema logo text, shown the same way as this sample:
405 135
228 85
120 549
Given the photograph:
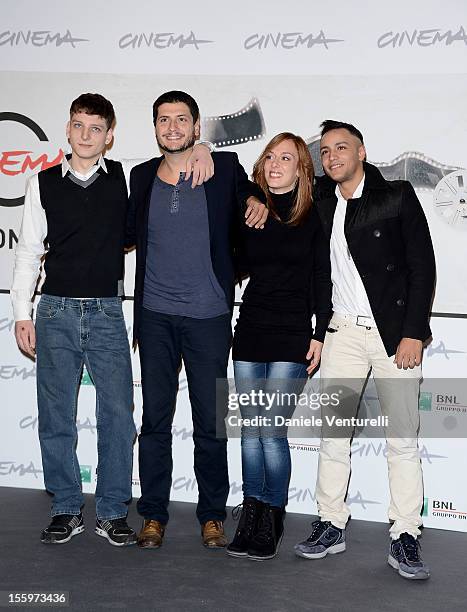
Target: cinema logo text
161 40
20 161
8 468
357 499
31 422
9 372
440 349
188 483
288 40
380 449
422 38
9 239
39 38
13 163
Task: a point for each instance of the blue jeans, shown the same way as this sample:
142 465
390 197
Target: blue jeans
266 464
70 333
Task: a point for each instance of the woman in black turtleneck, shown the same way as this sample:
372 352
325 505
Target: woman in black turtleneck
274 345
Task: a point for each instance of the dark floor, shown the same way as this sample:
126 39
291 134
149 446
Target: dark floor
182 575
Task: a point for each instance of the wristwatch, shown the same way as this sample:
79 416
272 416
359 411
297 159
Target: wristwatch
210 145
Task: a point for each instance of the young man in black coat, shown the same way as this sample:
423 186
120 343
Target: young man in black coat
383 275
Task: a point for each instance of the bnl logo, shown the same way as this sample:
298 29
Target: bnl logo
425 400
86 377
426 503
86 473
437 505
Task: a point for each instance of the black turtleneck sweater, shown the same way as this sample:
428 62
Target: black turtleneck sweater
290 279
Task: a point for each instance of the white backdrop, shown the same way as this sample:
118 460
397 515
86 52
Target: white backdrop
399 74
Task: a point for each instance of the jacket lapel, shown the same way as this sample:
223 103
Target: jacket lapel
326 209
146 190
211 189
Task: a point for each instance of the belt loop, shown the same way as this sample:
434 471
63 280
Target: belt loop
99 305
62 305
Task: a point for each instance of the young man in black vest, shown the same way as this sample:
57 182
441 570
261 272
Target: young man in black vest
79 208
383 276
184 292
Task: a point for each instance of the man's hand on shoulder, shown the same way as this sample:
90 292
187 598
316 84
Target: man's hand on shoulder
256 213
409 353
199 164
25 334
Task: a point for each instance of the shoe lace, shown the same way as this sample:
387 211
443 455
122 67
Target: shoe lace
61 520
264 532
318 528
236 512
246 512
119 523
213 526
411 547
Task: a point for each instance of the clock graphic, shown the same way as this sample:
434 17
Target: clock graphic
450 199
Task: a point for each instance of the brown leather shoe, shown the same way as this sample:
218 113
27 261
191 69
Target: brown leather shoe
213 534
151 534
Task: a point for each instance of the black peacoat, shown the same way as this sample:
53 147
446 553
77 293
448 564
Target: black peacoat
390 243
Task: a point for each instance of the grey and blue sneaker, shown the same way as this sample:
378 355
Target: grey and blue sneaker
325 539
404 556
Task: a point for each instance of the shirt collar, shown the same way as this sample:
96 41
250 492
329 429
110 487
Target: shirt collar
66 167
356 194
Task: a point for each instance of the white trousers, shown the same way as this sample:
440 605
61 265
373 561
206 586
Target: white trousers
348 354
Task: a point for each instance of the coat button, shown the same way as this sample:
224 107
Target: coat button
390 267
400 302
376 233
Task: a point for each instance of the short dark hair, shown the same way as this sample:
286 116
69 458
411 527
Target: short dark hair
94 104
171 97
330 124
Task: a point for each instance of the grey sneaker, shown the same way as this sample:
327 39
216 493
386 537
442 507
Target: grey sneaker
324 539
404 556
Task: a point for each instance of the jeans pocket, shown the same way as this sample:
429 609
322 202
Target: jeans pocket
112 311
47 310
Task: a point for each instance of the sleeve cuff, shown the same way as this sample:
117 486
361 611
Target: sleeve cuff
210 145
22 311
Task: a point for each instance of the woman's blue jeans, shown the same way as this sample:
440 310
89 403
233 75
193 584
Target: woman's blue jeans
266 464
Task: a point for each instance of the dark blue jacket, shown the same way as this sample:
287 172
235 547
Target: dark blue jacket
226 194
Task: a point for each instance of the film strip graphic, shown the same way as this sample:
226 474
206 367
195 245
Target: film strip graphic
422 171
447 183
240 127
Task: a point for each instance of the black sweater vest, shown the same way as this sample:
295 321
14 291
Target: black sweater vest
86 229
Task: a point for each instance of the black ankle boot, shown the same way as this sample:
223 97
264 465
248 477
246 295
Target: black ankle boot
266 542
247 525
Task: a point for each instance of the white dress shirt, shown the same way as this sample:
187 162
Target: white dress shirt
30 248
348 293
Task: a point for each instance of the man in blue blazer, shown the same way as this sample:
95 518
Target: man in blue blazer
184 292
